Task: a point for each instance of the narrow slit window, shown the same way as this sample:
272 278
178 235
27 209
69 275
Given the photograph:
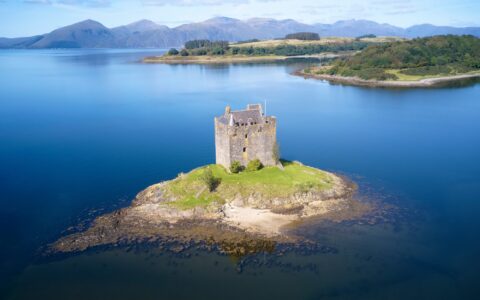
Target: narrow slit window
244 149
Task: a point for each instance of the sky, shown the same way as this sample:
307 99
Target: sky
30 17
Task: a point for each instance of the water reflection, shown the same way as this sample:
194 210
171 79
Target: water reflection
82 129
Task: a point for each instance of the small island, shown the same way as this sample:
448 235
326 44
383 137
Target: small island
422 62
249 196
297 45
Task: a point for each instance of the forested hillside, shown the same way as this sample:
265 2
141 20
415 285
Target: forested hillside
438 55
260 48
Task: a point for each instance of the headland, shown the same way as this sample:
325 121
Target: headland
251 51
424 82
424 62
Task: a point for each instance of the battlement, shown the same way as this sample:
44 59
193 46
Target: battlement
245 135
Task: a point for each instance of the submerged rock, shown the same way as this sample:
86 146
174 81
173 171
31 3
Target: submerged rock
247 213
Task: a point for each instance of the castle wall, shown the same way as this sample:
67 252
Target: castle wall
246 143
222 144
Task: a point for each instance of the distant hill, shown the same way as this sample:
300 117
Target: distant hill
147 34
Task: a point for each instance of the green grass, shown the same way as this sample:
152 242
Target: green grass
191 201
399 73
270 182
321 41
405 77
412 60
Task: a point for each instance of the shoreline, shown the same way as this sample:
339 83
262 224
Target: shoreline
150 217
355 81
231 59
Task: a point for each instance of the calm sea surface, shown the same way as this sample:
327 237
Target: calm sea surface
82 131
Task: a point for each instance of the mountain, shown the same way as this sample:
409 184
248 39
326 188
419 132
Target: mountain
20 43
144 34
220 28
354 28
142 26
271 28
86 34
147 34
429 30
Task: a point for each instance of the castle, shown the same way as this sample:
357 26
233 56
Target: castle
246 135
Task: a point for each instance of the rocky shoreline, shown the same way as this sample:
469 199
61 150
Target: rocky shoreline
423 83
242 224
231 59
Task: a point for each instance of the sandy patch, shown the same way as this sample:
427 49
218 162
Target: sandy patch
261 221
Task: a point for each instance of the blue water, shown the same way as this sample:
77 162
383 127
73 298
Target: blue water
84 130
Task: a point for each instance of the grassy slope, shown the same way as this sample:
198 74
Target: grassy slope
322 41
262 44
270 182
405 77
397 72
410 60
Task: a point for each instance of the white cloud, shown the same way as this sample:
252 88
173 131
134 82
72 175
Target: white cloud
89 3
84 3
191 2
48 2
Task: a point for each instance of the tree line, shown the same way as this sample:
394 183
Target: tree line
422 56
206 47
303 36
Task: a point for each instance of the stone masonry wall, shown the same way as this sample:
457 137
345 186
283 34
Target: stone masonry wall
246 143
222 144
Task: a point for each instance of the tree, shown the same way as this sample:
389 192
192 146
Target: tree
218 51
304 36
366 36
209 180
254 165
236 167
184 52
437 55
173 51
194 44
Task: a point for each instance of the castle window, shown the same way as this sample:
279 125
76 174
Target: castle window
244 149
246 135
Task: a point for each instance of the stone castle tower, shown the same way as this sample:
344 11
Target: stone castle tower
245 135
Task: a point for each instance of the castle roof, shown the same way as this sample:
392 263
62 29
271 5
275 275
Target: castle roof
247 116
253 114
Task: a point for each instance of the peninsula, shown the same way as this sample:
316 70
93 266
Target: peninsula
249 195
424 62
299 45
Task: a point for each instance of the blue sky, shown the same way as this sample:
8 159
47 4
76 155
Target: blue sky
29 17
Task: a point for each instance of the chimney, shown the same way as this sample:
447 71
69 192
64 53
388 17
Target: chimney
228 110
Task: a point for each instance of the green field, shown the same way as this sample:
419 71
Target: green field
270 182
321 41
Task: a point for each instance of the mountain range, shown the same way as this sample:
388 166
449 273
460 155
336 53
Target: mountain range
147 34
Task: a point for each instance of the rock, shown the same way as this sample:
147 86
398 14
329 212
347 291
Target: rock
152 219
